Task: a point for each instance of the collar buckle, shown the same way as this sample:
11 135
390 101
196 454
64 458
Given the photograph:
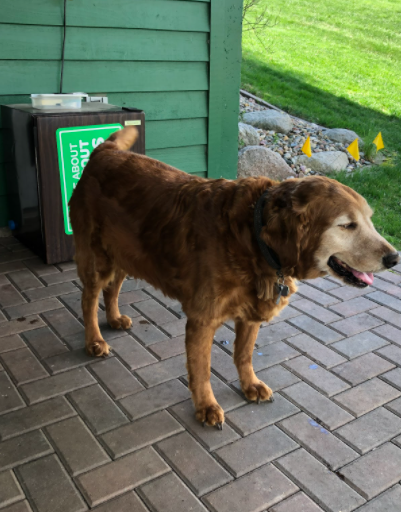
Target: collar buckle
282 289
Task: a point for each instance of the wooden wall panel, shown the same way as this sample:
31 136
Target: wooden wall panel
225 68
172 134
155 14
192 159
34 42
40 76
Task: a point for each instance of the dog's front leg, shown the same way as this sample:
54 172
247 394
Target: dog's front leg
253 388
198 342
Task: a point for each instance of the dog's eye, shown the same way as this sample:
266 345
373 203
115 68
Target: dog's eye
351 225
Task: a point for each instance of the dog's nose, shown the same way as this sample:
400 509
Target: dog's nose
390 260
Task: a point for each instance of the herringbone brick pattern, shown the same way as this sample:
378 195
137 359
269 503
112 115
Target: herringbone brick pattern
119 434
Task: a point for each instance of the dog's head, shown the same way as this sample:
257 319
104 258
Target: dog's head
318 226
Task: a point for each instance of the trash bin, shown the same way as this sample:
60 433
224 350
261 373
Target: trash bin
45 153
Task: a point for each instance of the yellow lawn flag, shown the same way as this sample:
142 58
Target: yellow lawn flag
306 148
353 149
379 142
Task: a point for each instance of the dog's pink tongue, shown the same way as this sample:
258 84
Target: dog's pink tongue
366 277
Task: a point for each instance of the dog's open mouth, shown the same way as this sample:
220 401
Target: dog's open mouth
349 274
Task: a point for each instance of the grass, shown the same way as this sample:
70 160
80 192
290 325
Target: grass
338 63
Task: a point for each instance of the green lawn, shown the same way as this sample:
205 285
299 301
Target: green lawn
338 63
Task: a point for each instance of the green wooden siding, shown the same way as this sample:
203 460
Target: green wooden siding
225 62
3 210
157 105
154 14
175 59
192 158
33 42
3 189
165 105
36 76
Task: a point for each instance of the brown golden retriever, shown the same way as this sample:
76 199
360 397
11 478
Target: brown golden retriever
194 239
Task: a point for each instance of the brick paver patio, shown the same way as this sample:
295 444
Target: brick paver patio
119 434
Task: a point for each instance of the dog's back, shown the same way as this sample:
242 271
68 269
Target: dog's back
135 213
118 186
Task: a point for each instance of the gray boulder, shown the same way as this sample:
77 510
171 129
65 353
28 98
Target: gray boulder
343 136
324 162
378 158
269 120
247 135
260 161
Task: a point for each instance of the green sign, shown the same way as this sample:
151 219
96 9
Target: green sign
74 145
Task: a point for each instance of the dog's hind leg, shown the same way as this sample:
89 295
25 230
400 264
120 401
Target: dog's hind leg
198 343
94 343
110 294
253 388
95 271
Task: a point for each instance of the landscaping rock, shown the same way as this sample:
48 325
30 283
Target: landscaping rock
325 162
260 161
290 145
378 158
247 135
269 120
342 135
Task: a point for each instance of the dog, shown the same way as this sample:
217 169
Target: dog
225 249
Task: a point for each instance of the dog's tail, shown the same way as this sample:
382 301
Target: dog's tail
125 138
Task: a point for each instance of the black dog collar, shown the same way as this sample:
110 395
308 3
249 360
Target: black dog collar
269 255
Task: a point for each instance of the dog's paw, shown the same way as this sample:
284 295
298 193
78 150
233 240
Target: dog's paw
212 415
258 391
97 348
122 322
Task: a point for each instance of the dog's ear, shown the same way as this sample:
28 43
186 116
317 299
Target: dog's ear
287 220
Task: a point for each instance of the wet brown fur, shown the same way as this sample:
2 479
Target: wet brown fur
193 239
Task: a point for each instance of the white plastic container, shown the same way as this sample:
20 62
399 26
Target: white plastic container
55 101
